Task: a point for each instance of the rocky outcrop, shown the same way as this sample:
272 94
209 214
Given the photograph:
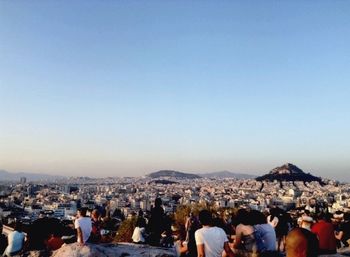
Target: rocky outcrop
112 250
104 250
289 172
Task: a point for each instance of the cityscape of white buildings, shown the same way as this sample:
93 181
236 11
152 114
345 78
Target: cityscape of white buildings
28 200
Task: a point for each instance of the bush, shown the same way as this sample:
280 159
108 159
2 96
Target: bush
126 230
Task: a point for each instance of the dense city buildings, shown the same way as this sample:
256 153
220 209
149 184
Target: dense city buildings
26 201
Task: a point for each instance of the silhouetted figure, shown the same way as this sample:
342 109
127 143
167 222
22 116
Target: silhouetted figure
344 230
188 247
156 223
95 236
167 238
141 221
3 240
40 231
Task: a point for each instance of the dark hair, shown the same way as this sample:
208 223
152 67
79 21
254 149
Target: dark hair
158 202
242 217
83 211
324 216
256 217
18 226
205 217
347 216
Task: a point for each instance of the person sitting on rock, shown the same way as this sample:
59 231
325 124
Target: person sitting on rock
95 236
83 225
15 241
244 238
156 223
211 241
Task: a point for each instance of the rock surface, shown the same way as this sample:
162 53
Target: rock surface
115 250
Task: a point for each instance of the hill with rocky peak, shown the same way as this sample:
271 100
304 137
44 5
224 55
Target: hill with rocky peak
289 172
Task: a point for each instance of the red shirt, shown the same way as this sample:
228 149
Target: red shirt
325 234
54 243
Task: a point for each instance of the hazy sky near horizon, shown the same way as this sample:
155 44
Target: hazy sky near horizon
102 88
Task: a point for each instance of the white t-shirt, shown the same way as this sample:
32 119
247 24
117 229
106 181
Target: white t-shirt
84 223
213 239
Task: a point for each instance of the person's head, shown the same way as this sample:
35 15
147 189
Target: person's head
306 222
301 243
346 216
158 202
324 216
18 226
95 214
205 218
82 212
256 217
242 217
312 202
140 213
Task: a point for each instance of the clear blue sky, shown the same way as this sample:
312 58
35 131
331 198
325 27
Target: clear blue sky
103 88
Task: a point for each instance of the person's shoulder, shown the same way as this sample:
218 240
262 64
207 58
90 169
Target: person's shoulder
200 230
217 228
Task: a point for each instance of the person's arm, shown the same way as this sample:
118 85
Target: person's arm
228 250
199 243
182 247
80 236
238 237
200 250
339 235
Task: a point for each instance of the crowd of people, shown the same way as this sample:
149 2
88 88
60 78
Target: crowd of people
48 234
306 233
276 233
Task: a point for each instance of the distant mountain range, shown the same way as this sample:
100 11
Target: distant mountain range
219 174
16 176
172 173
227 174
288 172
